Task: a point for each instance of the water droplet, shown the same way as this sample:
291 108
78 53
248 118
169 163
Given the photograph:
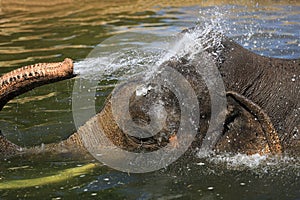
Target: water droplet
201 164
210 188
106 179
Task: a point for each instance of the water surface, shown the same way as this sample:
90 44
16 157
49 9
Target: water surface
38 31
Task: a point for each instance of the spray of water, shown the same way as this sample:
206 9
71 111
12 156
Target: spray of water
116 60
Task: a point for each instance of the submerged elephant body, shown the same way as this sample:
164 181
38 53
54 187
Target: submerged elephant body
261 115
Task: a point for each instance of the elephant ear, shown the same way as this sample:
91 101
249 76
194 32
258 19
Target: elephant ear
247 128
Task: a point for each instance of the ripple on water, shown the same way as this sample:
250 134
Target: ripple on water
261 164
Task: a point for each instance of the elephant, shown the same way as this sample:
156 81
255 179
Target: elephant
261 114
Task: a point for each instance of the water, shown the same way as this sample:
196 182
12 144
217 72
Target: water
28 34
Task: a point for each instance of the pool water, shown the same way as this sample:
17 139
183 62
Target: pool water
37 31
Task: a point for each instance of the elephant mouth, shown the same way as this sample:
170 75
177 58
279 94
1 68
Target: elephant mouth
26 78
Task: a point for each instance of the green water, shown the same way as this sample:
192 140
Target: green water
38 31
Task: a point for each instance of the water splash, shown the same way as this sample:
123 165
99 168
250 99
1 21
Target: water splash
127 54
255 162
114 65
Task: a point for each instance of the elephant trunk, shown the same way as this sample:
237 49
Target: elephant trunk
26 78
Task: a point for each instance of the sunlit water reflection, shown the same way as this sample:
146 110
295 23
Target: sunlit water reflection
28 34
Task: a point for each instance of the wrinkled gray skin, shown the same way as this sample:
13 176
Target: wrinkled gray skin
272 84
262 113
